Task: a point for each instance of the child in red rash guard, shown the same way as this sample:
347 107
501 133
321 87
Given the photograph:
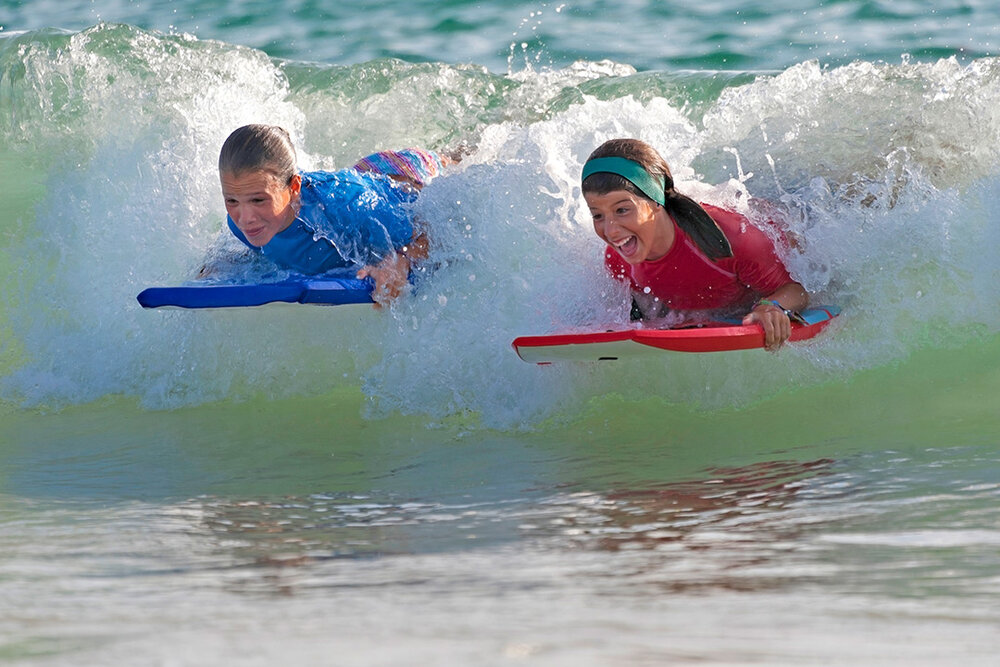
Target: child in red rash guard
681 255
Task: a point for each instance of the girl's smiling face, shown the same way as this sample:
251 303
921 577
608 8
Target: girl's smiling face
259 204
637 228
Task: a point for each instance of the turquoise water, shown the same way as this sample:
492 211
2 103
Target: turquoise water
717 34
341 486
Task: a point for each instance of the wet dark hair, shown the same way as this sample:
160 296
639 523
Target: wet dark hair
688 214
265 148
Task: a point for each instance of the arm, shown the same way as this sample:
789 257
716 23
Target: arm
393 272
777 325
646 307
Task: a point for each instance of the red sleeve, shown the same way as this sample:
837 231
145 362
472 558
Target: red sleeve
755 260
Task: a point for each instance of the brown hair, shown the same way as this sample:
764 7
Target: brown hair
259 148
686 212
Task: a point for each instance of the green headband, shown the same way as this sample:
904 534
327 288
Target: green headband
631 171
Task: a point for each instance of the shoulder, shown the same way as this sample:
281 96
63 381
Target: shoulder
343 179
741 232
726 218
755 253
348 185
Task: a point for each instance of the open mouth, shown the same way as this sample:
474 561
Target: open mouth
253 235
627 247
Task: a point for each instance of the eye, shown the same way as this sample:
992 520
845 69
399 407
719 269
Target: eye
622 210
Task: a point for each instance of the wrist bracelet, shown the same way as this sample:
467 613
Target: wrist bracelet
790 314
770 302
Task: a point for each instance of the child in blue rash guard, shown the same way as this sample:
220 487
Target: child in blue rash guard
313 222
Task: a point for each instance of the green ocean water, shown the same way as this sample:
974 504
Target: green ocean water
306 485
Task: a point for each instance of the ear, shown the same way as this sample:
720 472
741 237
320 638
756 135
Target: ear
296 184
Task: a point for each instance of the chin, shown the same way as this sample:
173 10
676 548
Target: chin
259 242
636 258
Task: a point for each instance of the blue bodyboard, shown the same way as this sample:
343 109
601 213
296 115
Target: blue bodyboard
324 290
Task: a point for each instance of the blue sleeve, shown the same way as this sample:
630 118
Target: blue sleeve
364 215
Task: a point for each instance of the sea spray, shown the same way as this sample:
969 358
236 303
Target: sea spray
889 206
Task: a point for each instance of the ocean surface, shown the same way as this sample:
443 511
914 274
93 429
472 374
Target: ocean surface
339 486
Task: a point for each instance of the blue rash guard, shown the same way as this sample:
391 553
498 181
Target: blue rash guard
347 218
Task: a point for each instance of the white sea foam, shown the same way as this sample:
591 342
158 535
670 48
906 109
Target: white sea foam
889 195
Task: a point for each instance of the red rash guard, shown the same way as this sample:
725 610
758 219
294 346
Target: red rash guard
685 279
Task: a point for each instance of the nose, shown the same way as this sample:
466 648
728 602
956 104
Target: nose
609 225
